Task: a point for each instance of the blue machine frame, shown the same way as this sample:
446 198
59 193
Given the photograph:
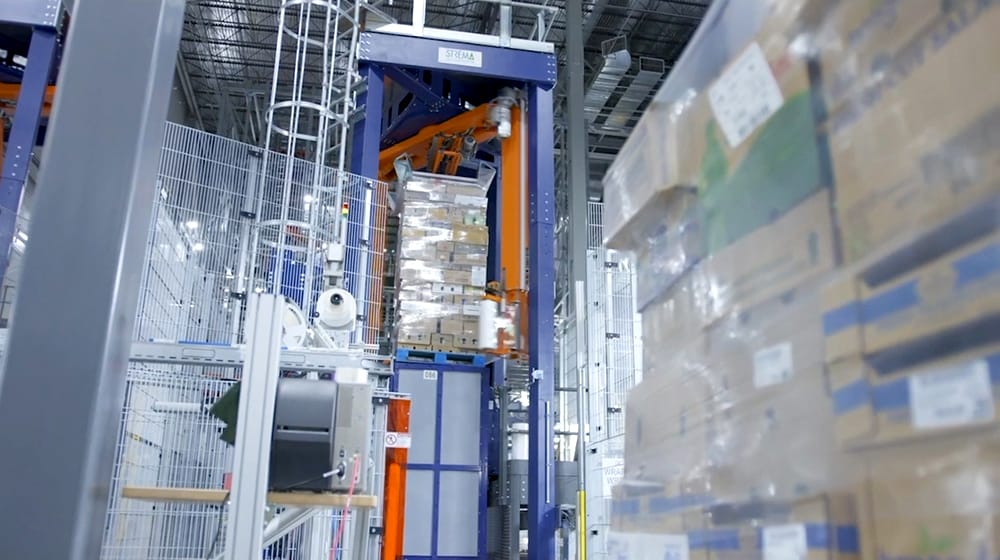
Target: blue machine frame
384 54
42 54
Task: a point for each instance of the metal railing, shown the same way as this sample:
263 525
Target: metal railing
209 245
542 17
168 439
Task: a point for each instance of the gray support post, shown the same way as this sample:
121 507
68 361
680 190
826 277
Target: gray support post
255 420
579 184
60 411
576 140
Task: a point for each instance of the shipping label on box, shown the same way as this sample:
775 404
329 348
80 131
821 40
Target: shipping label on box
762 152
765 364
943 396
955 291
894 146
821 527
759 348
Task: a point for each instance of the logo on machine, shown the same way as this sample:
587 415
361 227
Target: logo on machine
460 57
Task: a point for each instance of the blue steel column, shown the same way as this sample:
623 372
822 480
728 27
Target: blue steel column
542 521
24 132
365 139
366 135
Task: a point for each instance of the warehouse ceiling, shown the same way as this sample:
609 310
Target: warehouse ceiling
226 58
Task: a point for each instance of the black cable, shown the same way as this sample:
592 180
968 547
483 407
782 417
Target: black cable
218 529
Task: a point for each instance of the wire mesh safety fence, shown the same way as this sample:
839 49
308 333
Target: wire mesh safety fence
612 360
168 439
215 234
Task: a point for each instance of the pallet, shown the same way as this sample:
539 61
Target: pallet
440 356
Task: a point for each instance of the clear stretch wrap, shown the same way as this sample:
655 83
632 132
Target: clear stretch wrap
441 272
812 202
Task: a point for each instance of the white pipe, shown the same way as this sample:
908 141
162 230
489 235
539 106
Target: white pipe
339 224
488 310
180 407
419 16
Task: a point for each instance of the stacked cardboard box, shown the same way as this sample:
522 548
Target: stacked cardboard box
442 263
815 225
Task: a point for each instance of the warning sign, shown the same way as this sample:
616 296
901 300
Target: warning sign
397 440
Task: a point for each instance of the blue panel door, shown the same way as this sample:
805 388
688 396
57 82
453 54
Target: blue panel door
446 481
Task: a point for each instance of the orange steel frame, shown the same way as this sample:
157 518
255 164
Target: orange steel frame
512 212
417 146
394 506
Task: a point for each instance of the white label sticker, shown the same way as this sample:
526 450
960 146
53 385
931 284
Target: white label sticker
772 365
646 546
460 57
745 95
470 309
666 547
785 542
613 469
952 396
430 374
479 276
620 546
397 440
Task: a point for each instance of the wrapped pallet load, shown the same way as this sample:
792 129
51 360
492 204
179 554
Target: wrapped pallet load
441 263
812 202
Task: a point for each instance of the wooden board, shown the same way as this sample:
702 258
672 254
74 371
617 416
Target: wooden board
216 496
